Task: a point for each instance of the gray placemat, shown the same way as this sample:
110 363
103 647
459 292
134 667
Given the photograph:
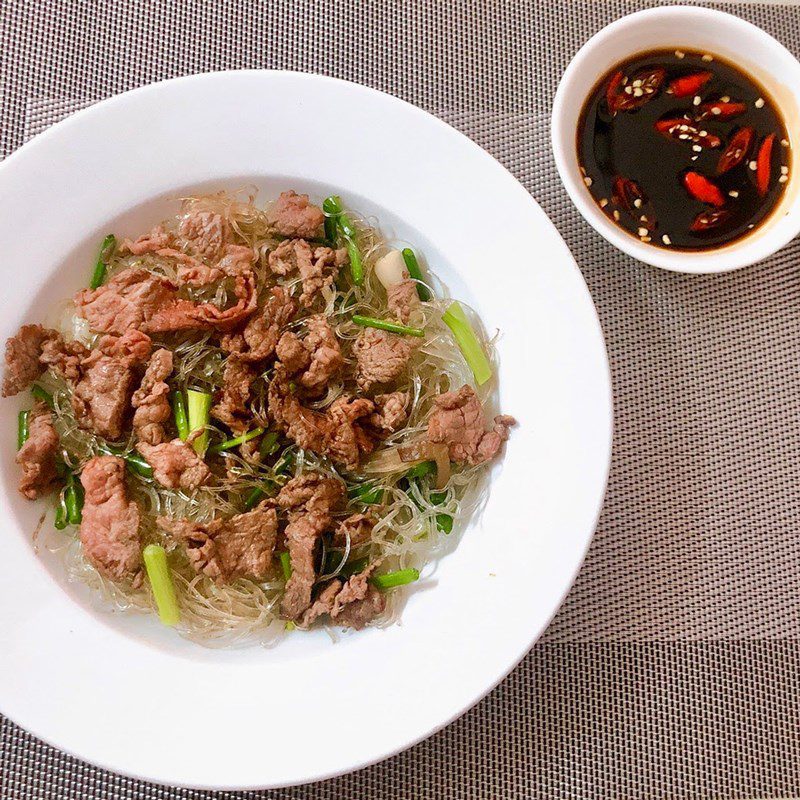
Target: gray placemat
672 668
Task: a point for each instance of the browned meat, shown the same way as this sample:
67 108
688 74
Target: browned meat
38 456
381 357
352 603
151 399
101 397
357 527
226 549
318 357
390 414
258 339
23 354
458 421
402 299
135 298
310 500
293 215
208 314
151 242
110 527
190 270
316 267
349 439
175 464
237 260
64 357
231 408
204 234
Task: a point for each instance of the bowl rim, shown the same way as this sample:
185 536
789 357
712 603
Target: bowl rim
766 240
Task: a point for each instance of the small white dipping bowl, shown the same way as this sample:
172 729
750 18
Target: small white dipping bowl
691 29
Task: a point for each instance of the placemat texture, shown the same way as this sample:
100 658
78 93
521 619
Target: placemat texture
672 669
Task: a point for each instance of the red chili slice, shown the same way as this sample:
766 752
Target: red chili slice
684 130
706 220
702 189
736 151
612 91
689 84
629 94
720 110
764 164
628 195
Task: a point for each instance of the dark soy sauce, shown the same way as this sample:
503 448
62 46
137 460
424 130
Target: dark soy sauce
668 168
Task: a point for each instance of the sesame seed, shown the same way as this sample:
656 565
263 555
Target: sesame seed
642 231
603 202
784 169
628 89
751 226
637 92
679 54
697 100
646 239
783 179
666 239
759 103
637 202
716 110
643 218
707 57
694 158
684 127
784 142
583 170
703 133
733 193
587 180
616 215
637 82
725 99
753 165
697 148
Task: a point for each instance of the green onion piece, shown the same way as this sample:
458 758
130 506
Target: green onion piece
155 562
23 428
286 564
444 522
179 413
356 265
60 521
330 229
421 470
366 493
394 327
285 462
135 462
253 499
43 395
269 444
199 406
415 272
106 249
457 321
398 578
289 626
73 498
332 205
229 444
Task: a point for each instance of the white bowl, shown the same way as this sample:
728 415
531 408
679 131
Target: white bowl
127 694
688 28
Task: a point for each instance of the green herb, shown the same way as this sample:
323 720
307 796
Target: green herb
135 462
100 267
444 522
60 521
73 499
23 428
394 327
199 407
269 444
289 626
285 462
42 395
465 337
229 444
179 413
341 223
421 470
415 272
398 578
366 493
155 562
286 565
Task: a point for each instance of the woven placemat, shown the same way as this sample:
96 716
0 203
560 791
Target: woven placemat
672 669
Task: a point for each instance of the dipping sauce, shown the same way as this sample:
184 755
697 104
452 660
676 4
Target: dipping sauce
683 150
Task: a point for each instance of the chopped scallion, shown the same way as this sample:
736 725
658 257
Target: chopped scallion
415 272
398 578
23 428
421 470
101 266
179 413
229 444
135 462
332 207
269 444
199 407
73 499
457 321
43 395
60 521
393 327
366 493
155 562
286 564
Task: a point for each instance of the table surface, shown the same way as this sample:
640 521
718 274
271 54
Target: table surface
673 667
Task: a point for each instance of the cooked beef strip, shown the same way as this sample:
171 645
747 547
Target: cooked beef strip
38 456
151 242
23 354
317 266
316 359
151 399
390 414
310 500
110 527
102 395
226 549
352 603
175 464
204 234
402 299
458 421
259 337
231 408
293 215
357 527
381 357
64 357
349 439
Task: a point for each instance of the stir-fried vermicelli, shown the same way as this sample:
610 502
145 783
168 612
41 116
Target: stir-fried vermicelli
256 420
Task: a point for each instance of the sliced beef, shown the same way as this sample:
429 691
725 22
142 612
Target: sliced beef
310 500
458 421
226 549
204 234
39 455
352 603
110 526
293 215
23 357
259 337
317 267
191 271
292 353
208 314
381 357
316 359
175 464
390 412
102 395
151 399
237 260
64 357
402 299
231 408
349 439
357 528
151 242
